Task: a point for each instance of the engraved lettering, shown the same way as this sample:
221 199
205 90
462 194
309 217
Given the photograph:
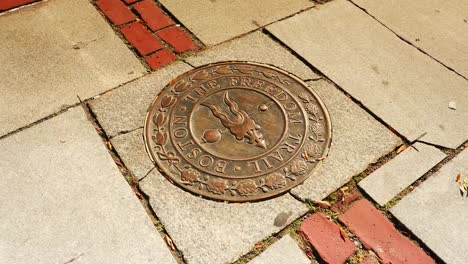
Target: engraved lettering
255 163
213 84
291 147
193 153
288 147
180 120
267 164
246 82
277 156
233 81
200 90
206 161
290 106
183 145
281 96
298 138
258 84
220 166
295 118
180 132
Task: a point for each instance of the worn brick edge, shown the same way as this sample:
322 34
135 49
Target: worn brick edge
6 5
148 59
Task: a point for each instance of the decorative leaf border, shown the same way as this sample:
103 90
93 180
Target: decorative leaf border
245 187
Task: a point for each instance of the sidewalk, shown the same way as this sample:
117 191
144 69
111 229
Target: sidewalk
77 78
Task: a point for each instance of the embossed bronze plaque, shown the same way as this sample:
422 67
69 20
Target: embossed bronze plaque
237 131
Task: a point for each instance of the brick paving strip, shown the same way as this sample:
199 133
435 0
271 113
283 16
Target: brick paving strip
10 4
378 234
325 237
368 226
153 33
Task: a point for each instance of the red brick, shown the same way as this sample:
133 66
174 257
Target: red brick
116 11
130 1
160 59
178 39
325 237
377 233
369 260
9 4
153 15
349 199
141 38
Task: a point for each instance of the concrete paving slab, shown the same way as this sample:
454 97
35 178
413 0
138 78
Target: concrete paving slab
256 47
357 141
63 200
400 172
284 250
437 213
131 149
406 88
210 232
436 26
124 109
217 21
50 54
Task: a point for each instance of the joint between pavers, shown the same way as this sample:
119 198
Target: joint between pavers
133 182
290 229
318 72
63 110
123 132
407 41
451 154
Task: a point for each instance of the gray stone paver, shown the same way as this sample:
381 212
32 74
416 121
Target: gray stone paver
400 172
62 197
283 251
437 214
256 47
437 26
406 88
124 109
217 21
215 232
357 141
131 149
50 54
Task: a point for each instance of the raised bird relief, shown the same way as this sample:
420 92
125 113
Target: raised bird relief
240 124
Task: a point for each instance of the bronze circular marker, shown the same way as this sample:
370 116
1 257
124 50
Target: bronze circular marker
237 131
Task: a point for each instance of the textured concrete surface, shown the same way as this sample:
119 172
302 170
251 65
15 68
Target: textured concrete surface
50 54
284 250
406 88
436 26
400 172
216 232
63 200
256 47
124 109
437 213
131 149
357 141
217 21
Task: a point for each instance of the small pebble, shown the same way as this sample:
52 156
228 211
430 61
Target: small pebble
452 105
